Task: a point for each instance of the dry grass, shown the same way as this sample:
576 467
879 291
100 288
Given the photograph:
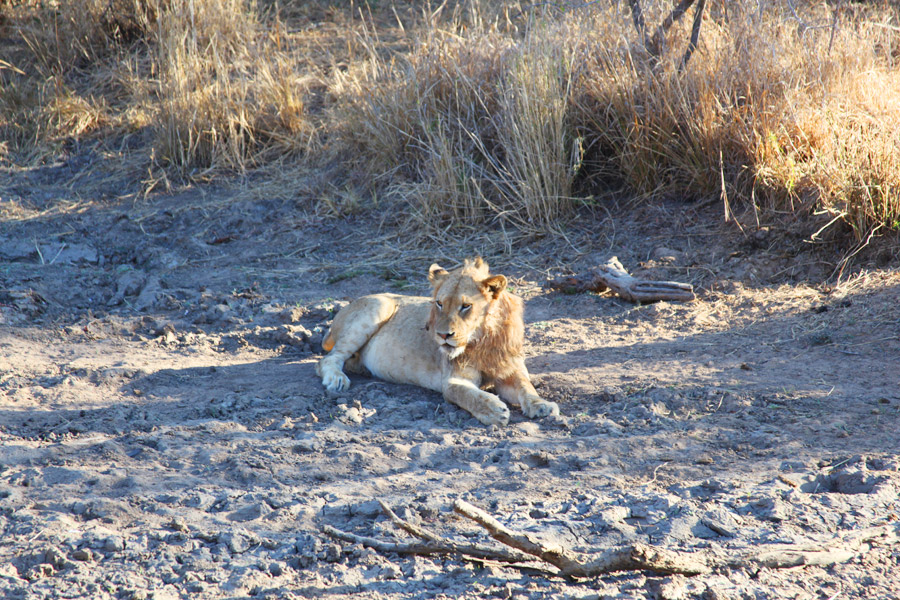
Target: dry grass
481 111
228 96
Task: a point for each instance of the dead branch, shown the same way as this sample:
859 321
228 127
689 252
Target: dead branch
633 557
655 44
383 546
474 550
695 34
838 550
519 547
613 276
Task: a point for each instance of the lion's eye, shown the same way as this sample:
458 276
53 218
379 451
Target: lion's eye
439 305
465 307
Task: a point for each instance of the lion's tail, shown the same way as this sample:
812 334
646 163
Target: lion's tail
328 342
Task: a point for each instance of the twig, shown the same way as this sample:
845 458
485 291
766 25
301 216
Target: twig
382 546
475 550
40 254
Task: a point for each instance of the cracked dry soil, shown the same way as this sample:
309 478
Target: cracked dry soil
164 435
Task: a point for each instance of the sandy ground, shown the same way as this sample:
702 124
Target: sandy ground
163 433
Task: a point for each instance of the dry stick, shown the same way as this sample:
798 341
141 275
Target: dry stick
642 557
632 557
695 34
474 550
841 549
613 276
383 546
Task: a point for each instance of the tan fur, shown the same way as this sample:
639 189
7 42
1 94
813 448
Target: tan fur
468 335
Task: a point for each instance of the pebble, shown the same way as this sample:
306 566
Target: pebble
114 544
254 511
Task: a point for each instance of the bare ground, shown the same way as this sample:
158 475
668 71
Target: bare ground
164 435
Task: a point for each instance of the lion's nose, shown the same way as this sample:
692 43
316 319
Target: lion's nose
445 336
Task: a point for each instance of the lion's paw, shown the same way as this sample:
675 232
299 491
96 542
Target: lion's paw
495 413
335 381
538 407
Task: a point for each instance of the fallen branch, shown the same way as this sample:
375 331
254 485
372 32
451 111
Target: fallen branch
840 549
474 550
519 547
613 276
632 557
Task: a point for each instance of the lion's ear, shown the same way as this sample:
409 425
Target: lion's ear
436 273
495 284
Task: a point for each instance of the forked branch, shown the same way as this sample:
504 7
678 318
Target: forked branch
519 547
656 43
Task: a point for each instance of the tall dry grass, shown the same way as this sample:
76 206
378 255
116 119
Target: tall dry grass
495 112
781 110
473 125
229 97
217 87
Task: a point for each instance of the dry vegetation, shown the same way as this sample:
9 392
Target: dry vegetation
475 111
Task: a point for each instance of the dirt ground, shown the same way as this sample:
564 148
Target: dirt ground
163 433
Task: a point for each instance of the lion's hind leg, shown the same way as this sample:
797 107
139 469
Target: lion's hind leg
354 325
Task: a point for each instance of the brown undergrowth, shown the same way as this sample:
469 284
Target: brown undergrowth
477 112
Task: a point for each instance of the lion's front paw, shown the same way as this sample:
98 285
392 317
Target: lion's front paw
537 407
335 381
495 412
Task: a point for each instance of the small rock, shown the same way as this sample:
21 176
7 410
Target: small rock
614 514
8 572
331 553
114 544
670 588
55 557
38 571
720 521
390 571
178 524
251 512
83 554
237 542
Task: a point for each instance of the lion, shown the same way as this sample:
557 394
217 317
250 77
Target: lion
466 337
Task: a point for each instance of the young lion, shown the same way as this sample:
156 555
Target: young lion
469 334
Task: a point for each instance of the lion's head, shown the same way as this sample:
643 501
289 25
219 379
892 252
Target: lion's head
473 314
